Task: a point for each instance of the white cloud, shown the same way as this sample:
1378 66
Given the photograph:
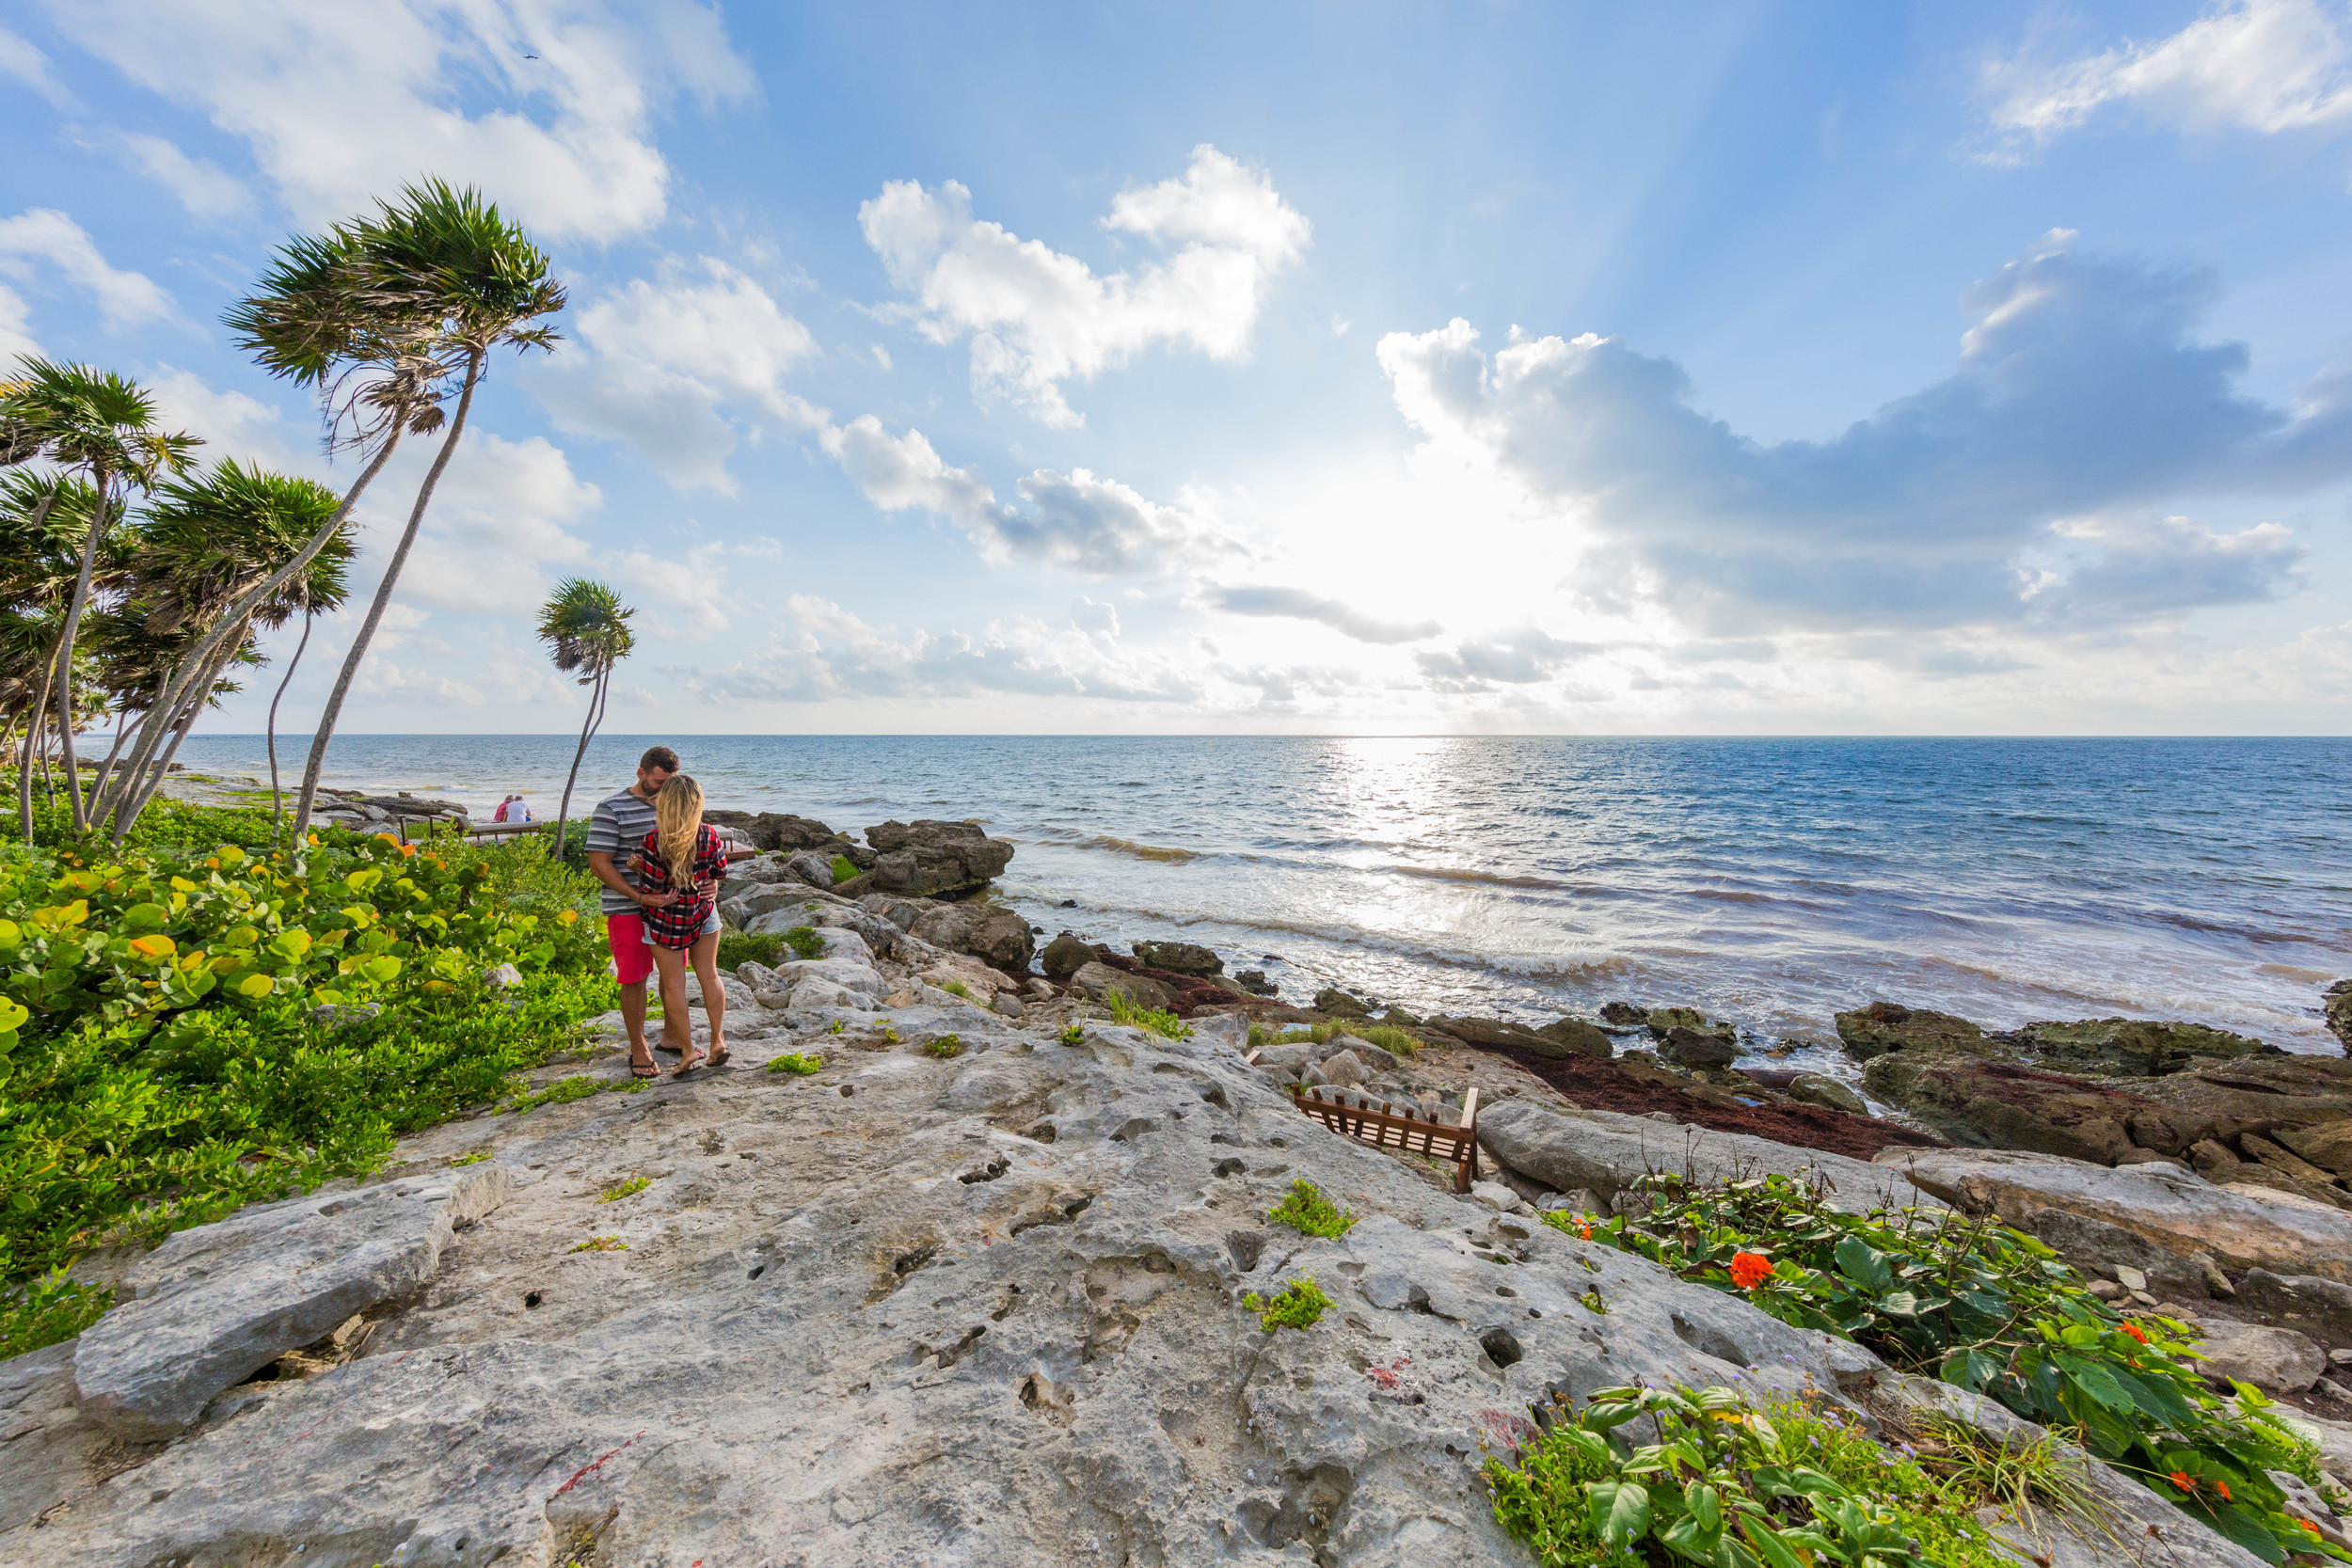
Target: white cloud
663 360
201 185
1037 317
1521 658
16 329
45 235
503 509
2080 394
20 61
1080 519
2266 66
1298 604
231 423
343 104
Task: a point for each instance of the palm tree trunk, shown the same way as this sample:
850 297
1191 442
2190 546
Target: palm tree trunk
359 651
132 801
587 728
276 805
190 662
105 769
35 723
65 648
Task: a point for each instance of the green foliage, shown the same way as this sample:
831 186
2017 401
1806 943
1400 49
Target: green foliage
1074 1034
945 1047
165 824
737 948
574 856
1124 1009
47 1310
183 1031
562 1092
1259 1034
1319 1033
837 1026
475 1159
601 1243
1389 1038
957 988
1307 1211
1991 1309
629 1188
796 1063
843 869
1300 1304
1721 1485
805 942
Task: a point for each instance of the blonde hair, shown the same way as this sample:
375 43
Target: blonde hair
677 818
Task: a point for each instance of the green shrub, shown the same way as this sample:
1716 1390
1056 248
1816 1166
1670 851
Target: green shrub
737 948
957 988
602 1244
629 1188
945 1047
1297 1305
1074 1034
794 1062
562 1092
805 942
1308 1212
1390 1038
843 869
48 1309
1126 1009
1991 1309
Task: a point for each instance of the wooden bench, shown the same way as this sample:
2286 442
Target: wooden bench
1385 1128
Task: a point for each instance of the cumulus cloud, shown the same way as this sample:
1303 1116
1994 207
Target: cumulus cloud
16 329
343 104
504 509
1298 604
831 654
2146 568
667 358
231 423
1079 519
2266 66
1037 317
1521 658
201 186
2080 392
45 235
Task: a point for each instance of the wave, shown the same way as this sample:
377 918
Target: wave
1140 851
1485 879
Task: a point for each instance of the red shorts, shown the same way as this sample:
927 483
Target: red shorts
633 958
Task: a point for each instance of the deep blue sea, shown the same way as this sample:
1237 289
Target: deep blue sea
1770 881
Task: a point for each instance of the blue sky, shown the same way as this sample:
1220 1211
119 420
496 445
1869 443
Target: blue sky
1852 368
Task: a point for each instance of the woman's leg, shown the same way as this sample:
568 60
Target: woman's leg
705 954
676 1029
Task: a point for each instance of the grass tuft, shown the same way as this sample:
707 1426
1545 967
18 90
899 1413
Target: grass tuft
629 1188
1298 1304
1307 1211
843 869
602 1244
1126 1011
795 1062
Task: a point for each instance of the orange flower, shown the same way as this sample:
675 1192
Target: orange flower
2136 1332
2309 1526
2224 1488
1750 1269
2181 1478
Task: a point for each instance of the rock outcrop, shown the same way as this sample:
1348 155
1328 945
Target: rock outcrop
2337 1008
1098 980
2124 1047
990 932
1180 958
926 859
1575 1034
774 829
1885 1027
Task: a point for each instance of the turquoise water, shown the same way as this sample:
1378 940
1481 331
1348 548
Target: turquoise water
1772 881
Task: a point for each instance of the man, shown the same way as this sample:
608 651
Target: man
620 825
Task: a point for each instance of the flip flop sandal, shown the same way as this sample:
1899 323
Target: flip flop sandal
644 1070
684 1067
673 1050
718 1056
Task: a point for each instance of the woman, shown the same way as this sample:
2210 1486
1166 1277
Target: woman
683 855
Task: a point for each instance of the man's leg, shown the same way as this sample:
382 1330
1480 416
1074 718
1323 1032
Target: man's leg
632 961
633 1015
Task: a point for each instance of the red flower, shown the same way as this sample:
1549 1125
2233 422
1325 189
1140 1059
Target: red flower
2136 1332
2181 1478
1750 1269
2224 1487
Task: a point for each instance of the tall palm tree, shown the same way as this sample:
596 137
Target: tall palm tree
585 626
45 520
204 551
447 254
90 421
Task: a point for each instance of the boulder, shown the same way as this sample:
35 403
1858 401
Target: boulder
2240 1227
808 867
2305 1302
2337 1006
1178 957
1990 1105
1287 1058
214 1304
1331 999
1577 1036
2097 1247
2275 1360
1816 1089
1605 1153
1623 1013
2129 1047
1255 983
2266 1094
1496 1031
1885 1027
1374 1058
1065 956
770 898
928 859
901 912
1697 1048
1345 1068
772 829
1098 980
2327 1144
1662 1021
988 932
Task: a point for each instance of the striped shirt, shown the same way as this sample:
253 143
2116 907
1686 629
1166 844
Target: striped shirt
620 825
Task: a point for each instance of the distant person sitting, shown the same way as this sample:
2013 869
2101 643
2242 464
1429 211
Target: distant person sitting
512 809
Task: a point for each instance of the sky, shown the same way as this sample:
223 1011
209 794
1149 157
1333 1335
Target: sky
1292 367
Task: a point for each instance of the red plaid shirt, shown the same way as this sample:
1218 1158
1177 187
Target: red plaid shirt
676 924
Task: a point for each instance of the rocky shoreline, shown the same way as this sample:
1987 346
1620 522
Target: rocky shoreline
947 1266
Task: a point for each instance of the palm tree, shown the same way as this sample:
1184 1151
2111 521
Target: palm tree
43 521
585 626
448 256
101 425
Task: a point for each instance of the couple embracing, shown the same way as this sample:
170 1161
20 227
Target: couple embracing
660 864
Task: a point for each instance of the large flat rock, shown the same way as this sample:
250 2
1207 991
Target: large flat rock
1603 1152
2241 1227
214 1304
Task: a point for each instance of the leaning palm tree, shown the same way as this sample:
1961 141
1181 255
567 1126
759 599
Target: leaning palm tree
585 626
446 255
97 423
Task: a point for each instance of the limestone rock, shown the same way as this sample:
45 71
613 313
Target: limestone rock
772 830
1990 1104
1606 1153
928 859
2275 1360
2305 1302
2093 1246
901 912
1495 1031
2240 1227
1623 1013
1065 956
812 868
213 1305
1816 1089
1343 1069
2339 1012
1692 1048
2328 1146
1098 980
1178 957
1885 1027
787 900
1375 1059
990 932
1579 1037
1331 999
2129 1047
2266 1094
1255 983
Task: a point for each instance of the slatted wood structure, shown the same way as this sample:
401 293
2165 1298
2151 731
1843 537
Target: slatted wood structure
1385 1128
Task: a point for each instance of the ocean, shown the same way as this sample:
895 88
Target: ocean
1770 881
